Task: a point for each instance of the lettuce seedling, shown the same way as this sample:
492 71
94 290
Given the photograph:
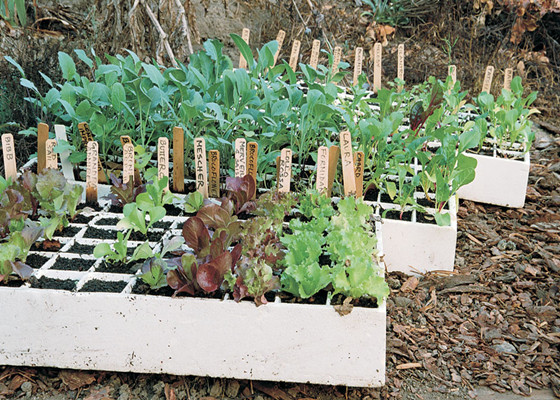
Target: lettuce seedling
12 206
154 269
194 202
117 254
241 192
13 253
124 193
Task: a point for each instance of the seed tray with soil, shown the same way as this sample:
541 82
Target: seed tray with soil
36 261
120 268
53 283
72 264
97 285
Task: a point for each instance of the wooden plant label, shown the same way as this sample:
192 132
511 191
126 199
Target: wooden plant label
400 63
214 173
245 36
487 84
42 137
128 163
359 172
294 55
163 159
508 77
358 60
452 72
314 61
178 160
252 159
125 139
240 158
200 166
377 50
87 137
337 56
280 39
285 171
278 169
67 169
10 168
52 157
348 173
322 169
334 153
92 174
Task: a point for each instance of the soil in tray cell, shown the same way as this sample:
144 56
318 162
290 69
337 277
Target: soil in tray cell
52 283
142 288
425 218
72 264
99 233
172 210
81 219
47 245
36 260
396 214
120 268
78 248
96 285
69 231
94 206
114 221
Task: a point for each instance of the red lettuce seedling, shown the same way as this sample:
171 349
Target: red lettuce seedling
123 193
241 192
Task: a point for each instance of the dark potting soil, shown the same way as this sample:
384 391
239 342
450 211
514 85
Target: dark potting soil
151 236
72 264
103 286
371 195
52 283
319 298
425 218
69 231
119 268
79 248
396 214
81 219
338 299
115 209
172 210
36 260
97 233
114 221
142 288
425 202
94 206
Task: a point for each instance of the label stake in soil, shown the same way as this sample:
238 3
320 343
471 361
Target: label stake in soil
285 171
334 153
294 55
42 137
52 157
322 169
278 169
508 77
314 60
240 157
252 159
67 169
214 173
358 60
163 159
280 39
87 137
348 172
10 168
337 56
128 163
487 85
245 36
359 172
92 174
200 166
178 160
452 72
377 50
125 139
400 64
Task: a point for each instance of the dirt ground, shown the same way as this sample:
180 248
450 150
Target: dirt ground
494 323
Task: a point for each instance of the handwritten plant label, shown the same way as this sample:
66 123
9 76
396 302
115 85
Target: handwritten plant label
200 166
334 153
337 56
377 50
42 137
87 137
67 169
348 173
278 169
128 163
252 159
245 36
322 169
240 157
125 139
359 172
294 55
52 157
315 49
280 39
92 174
508 77
452 72
487 84
10 168
400 63
178 160
214 173
285 171
358 60
163 159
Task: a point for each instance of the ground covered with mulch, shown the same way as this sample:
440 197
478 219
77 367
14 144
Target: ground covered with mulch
493 322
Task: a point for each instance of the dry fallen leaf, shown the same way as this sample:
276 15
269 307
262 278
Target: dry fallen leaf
410 284
345 308
76 379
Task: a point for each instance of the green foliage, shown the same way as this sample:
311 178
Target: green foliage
194 202
14 11
13 253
